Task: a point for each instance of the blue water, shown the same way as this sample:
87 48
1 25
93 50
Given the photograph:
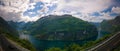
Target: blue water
41 45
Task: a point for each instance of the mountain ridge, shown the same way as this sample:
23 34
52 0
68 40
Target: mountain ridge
59 27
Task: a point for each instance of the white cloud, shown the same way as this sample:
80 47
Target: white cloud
87 17
45 1
116 10
15 5
27 19
105 16
31 6
10 15
84 6
13 9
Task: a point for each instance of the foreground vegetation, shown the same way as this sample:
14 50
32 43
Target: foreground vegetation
11 32
117 49
24 43
76 47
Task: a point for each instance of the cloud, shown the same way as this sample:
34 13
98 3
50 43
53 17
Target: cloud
31 10
13 9
15 5
45 1
31 6
10 15
116 10
84 6
89 18
27 19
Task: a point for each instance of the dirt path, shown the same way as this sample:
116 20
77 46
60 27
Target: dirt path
9 45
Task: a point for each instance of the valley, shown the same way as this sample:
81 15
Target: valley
60 32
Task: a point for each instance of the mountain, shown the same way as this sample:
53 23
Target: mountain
18 25
13 24
111 26
6 28
65 27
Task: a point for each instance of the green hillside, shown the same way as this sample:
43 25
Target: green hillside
65 27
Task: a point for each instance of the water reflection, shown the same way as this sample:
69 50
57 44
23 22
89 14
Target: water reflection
41 45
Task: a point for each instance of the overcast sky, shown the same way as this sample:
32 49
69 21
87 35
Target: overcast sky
31 10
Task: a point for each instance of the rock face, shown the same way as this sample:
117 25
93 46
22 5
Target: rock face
111 26
65 27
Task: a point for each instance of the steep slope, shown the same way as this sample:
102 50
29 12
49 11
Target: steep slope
13 24
10 38
111 26
65 27
6 28
17 25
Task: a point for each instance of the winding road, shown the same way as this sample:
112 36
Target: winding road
109 44
9 45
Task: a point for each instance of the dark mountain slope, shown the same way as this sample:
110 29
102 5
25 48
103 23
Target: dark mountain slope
111 26
6 28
